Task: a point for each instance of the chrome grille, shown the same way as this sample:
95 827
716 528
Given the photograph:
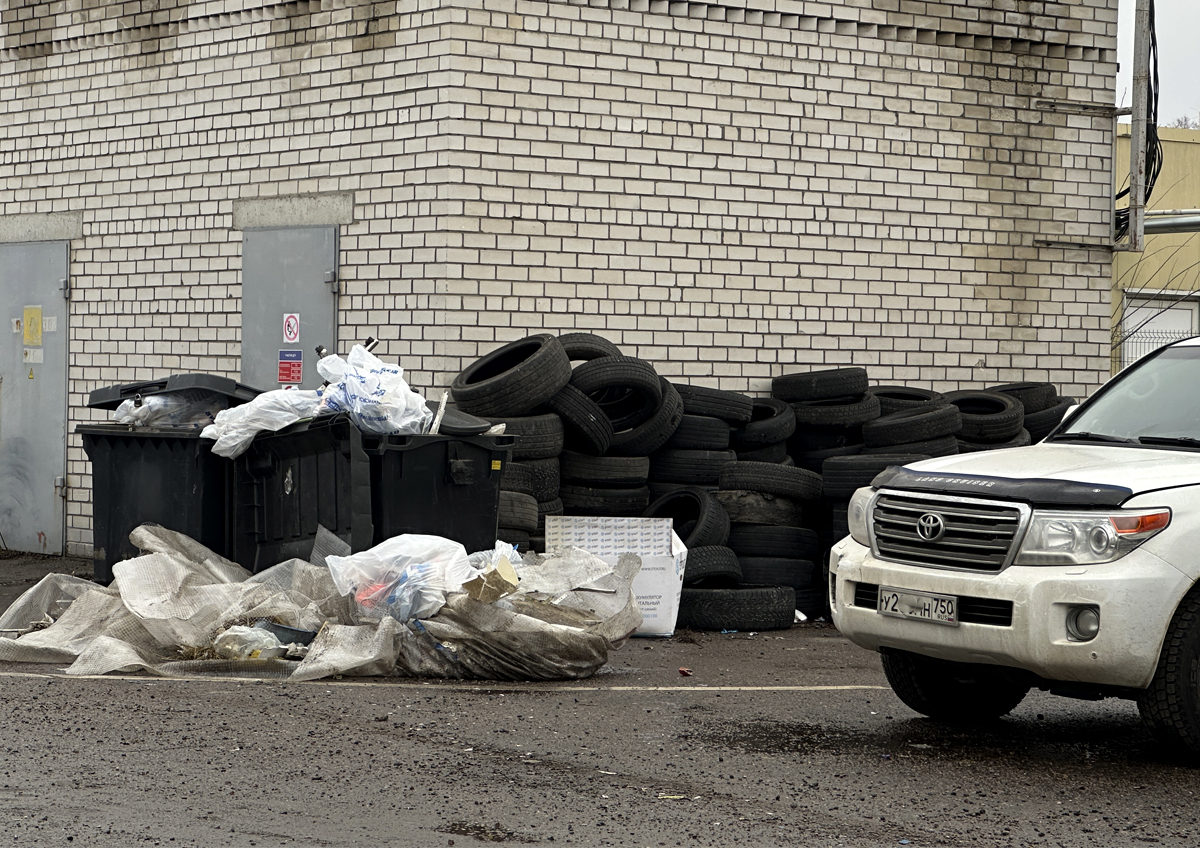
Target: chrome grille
979 534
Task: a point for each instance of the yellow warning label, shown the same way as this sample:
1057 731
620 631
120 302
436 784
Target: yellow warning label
33 325
495 465
30 373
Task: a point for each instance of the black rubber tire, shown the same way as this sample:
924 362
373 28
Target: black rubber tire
747 507
777 571
518 512
767 540
1040 424
518 538
774 454
538 436
953 692
839 521
545 478
771 421
895 398
815 460
728 406
796 483
604 470
987 416
554 507
587 346
818 385
537 544
747 608
1034 397
813 602
836 412
517 477
700 432
918 424
692 504
944 446
1018 441
610 373
514 379
1170 705
592 500
714 566
842 476
699 467
646 438
586 427
625 408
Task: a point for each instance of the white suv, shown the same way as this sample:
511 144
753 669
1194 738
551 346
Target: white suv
1070 565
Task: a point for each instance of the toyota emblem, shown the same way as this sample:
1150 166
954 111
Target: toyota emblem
931 527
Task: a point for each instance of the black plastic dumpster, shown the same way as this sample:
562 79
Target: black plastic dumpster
439 485
287 484
166 475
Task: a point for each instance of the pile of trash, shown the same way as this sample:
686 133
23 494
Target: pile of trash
413 606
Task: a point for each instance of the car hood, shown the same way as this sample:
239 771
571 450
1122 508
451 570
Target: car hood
1052 473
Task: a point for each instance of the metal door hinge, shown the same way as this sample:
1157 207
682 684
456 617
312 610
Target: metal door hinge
64 286
331 278
60 487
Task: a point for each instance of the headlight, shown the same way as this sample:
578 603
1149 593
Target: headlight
1087 538
857 515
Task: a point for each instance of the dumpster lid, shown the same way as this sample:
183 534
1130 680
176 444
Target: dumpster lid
458 423
111 397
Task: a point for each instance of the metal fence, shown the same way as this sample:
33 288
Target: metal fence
1147 341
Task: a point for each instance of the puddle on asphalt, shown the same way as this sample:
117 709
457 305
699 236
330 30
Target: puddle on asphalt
483 833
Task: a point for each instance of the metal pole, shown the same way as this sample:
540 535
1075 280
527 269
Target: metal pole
1137 132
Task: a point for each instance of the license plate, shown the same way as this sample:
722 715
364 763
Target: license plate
940 609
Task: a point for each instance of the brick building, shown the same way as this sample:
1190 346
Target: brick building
729 189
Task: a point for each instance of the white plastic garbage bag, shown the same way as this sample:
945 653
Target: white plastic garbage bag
184 408
374 394
234 429
406 577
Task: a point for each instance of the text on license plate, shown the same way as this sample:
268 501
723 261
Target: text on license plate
940 609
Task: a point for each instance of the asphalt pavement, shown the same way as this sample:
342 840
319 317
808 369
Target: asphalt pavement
787 738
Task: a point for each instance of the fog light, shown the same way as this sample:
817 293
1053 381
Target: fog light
1083 623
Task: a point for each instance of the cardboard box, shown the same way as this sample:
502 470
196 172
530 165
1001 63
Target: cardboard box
658 585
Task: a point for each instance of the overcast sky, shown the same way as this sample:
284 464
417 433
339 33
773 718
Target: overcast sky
1177 24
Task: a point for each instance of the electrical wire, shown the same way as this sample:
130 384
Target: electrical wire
1154 148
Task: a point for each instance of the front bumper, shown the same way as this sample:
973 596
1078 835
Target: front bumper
1137 596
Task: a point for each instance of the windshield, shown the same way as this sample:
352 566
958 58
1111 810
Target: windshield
1157 399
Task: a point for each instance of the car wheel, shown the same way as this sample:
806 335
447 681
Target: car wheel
953 692
1170 706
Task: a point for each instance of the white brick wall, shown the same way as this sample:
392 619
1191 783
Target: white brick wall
731 191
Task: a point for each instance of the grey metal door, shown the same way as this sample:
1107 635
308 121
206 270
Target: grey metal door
289 304
33 396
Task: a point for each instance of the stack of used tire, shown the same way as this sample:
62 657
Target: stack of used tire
1043 407
585 432
830 406
722 590
768 505
601 433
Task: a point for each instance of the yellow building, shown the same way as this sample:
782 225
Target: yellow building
1156 293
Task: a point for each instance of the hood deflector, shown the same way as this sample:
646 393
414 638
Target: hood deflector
1036 492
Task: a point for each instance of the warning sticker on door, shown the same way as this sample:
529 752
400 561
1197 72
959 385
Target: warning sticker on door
33 326
291 328
291 366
